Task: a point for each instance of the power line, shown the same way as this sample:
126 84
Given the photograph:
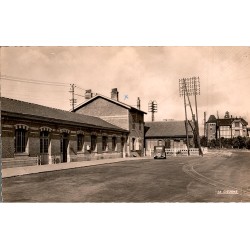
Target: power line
80 88
79 95
41 82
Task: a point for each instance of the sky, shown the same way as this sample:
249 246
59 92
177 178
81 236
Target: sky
151 73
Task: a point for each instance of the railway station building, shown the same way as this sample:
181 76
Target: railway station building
112 110
34 134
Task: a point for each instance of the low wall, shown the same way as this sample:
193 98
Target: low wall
182 151
55 159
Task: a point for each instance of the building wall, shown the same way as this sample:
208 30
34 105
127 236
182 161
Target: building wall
108 111
211 131
32 154
225 131
179 143
136 135
131 120
238 129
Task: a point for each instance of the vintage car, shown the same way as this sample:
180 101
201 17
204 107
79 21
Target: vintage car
159 152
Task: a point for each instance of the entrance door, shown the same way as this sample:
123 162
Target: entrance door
122 147
44 147
64 147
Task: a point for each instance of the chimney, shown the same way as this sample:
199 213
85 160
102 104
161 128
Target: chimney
115 94
88 94
138 103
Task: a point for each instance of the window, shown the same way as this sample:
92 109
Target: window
133 144
104 143
80 142
133 121
20 140
44 142
113 143
93 142
139 125
64 142
236 124
237 133
159 142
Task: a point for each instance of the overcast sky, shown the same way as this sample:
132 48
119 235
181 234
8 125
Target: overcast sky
151 73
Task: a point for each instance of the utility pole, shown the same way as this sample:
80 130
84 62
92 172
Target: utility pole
196 84
152 107
72 100
205 123
1 196
189 87
218 124
186 121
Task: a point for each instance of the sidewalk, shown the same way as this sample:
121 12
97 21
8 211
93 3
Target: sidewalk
16 171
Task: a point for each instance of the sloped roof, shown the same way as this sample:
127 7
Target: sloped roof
212 119
229 121
108 99
11 106
226 121
167 129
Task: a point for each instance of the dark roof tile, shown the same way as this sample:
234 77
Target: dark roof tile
31 109
166 129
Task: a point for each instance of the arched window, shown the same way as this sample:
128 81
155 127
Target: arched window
21 138
80 142
44 142
104 143
133 144
114 143
93 142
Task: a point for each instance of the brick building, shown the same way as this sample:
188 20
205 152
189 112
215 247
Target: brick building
34 134
117 113
171 134
227 127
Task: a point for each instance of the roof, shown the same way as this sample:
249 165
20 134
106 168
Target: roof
108 99
226 121
166 129
229 121
212 119
11 106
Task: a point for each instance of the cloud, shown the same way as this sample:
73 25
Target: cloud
151 73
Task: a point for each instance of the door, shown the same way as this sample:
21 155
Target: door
64 147
123 147
44 147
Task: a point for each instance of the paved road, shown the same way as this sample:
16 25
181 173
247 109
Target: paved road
220 177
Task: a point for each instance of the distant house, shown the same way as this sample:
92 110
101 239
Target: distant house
171 134
34 134
211 128
227 127
120 114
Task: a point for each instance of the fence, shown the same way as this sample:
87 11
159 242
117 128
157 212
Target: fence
182 151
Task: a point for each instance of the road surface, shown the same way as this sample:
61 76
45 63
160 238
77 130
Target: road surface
216 177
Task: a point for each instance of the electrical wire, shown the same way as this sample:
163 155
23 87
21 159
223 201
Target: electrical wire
18 79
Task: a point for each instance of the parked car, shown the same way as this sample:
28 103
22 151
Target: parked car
159 152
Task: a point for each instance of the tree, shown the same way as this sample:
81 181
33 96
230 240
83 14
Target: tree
248 143
203 141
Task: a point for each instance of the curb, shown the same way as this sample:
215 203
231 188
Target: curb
19 171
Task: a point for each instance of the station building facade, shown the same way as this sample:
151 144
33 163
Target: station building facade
34 134
120 114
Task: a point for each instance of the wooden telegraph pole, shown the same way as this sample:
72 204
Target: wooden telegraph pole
1 196
72 100
152 107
